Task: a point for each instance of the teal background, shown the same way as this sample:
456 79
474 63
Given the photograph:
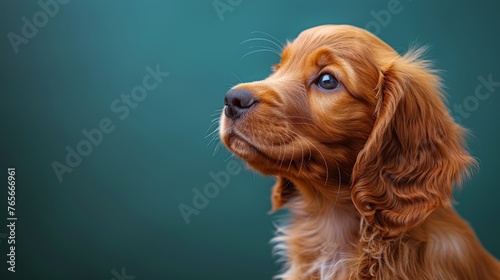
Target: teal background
119 207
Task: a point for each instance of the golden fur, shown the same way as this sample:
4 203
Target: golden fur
368 170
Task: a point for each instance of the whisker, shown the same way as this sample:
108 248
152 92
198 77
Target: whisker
267 48
213 139
284 153
264 40
214 136
256 51
217 113
305 123
230 156
281 144
216 117
217 148
293 153
237 77
211 133
321 154
277 40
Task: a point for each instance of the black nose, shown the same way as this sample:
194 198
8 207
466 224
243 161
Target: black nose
238 101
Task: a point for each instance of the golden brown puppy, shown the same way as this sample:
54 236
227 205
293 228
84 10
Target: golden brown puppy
366 156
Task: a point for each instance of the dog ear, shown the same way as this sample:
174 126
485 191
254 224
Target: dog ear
414 154
282 192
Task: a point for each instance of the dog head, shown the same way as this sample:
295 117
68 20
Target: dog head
342 108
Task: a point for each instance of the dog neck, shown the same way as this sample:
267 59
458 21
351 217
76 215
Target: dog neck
323 231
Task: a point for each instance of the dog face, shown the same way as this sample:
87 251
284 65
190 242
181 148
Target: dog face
313 114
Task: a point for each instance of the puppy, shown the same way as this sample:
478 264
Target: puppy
366 156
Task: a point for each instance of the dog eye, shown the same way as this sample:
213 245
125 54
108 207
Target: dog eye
328 82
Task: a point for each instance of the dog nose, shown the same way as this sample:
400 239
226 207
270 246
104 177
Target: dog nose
238 101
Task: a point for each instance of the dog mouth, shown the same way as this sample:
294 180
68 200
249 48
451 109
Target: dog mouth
243 147
267 159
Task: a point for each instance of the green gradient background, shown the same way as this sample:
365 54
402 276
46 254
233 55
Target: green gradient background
119 207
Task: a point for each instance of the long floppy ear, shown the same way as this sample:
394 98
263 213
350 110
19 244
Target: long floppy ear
414 154
282 192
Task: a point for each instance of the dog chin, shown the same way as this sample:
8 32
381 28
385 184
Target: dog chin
241 148
255 158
